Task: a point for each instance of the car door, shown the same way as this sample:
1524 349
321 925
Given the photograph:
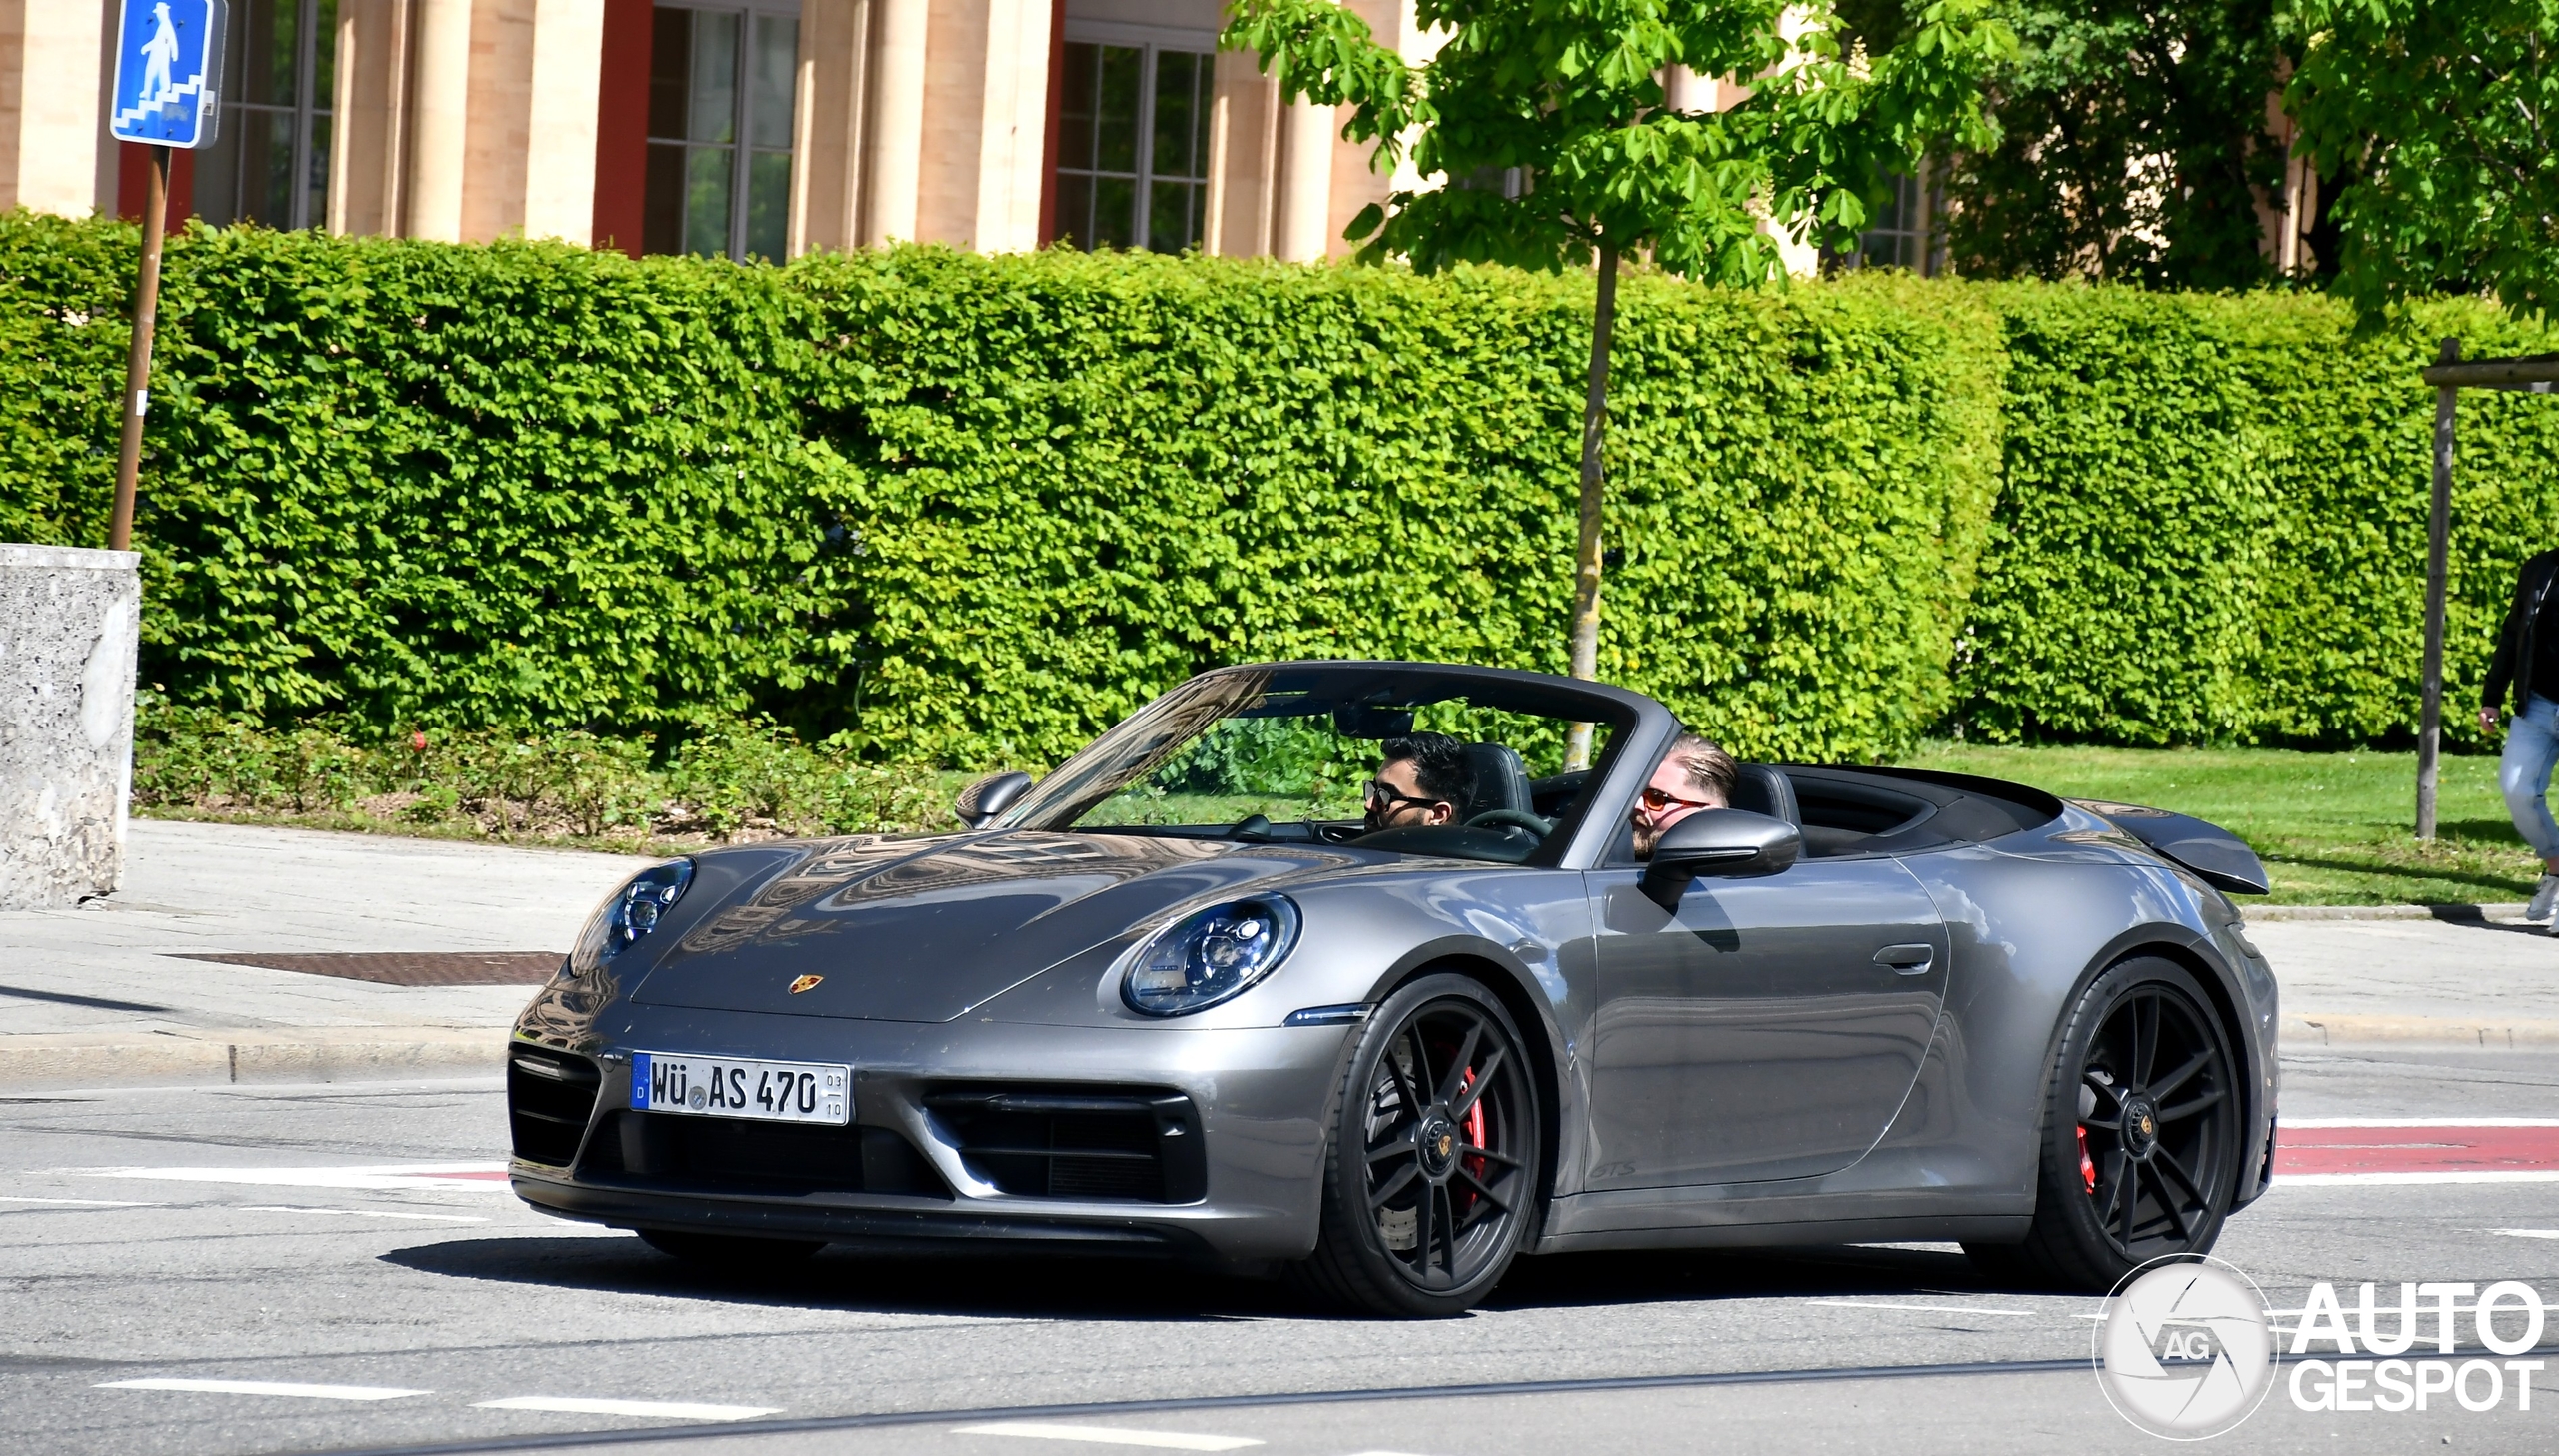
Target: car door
1770 1028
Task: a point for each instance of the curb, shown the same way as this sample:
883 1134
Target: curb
2502 914
218 1057
2413 1031
385 1054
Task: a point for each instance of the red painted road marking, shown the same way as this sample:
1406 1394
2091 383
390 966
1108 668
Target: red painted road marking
2382 1147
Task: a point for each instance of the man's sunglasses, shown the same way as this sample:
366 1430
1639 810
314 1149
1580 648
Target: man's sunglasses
1377 793
1657 801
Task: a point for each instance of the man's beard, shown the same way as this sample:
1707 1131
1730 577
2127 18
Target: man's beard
1646 837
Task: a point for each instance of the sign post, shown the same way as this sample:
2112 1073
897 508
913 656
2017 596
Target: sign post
167 96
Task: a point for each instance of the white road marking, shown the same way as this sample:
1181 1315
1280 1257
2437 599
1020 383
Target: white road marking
361 1213
2315 1122
81 1202
2319 1180
2527 1232
1108 1435
671 1409
440 1178
1922 1308
266 1387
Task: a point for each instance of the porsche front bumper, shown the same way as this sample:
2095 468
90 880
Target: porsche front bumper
1203 1144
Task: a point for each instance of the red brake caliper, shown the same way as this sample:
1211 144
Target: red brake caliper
2087 1164
1474 1129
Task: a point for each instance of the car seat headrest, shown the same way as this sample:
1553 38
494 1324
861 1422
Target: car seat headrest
1500 780
1763 790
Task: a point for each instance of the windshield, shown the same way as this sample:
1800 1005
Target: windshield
1404 759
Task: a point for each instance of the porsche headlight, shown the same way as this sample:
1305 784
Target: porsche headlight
634 909
1212 957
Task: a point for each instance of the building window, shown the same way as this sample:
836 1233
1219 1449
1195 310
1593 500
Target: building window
270 162
720 96
1901 237
1132 147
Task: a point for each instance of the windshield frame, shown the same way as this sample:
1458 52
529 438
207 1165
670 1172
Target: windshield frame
1142 742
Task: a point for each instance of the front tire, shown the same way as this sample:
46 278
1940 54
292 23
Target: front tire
1431 1175
2139 1155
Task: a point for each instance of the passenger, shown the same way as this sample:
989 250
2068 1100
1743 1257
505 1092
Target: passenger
1422 782
1694 775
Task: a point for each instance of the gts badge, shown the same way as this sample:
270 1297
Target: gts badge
806 983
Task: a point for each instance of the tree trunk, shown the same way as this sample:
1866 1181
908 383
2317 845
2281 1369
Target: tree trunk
1594 428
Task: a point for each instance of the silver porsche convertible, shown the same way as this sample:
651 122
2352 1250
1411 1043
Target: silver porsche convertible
1179 1000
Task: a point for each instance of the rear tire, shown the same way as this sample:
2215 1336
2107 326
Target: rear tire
729 1251
2139 1153
1430 1173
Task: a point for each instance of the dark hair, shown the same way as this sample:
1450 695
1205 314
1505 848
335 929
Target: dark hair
1438 765
1709 768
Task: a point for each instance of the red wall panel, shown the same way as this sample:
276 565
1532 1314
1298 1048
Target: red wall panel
133 183
1049 140
622 125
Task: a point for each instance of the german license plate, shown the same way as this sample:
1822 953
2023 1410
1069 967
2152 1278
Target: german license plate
761 1091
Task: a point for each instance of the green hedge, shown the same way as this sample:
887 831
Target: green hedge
972 509
2212 524
927 506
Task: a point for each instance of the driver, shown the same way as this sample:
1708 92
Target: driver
1422 782
1694 775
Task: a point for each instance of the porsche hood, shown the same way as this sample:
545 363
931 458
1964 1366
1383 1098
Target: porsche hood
912 931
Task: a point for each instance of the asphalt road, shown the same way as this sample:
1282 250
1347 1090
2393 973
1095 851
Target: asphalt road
153 1242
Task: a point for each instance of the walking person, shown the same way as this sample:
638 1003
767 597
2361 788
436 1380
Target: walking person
2527 659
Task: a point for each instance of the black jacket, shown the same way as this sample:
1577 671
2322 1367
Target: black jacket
2521 647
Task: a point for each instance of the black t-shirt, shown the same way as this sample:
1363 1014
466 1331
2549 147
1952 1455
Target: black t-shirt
2545 647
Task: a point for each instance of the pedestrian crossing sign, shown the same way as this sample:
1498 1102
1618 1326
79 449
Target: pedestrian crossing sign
169 72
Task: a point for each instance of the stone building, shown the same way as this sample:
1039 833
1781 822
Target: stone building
738 127
749 127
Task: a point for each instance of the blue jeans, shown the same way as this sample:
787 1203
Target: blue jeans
2523 774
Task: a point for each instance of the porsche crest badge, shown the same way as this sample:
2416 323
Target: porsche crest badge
806 983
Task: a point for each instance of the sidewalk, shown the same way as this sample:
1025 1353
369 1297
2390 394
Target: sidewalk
101 997
98 997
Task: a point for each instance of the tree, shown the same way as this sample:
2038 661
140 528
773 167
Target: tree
2439 112
1564 99
2133 141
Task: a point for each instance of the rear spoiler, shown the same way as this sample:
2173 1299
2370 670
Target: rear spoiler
2215 855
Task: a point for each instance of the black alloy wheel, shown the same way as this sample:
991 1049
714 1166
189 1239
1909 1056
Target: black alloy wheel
729 1251
2141 1136
1431 1178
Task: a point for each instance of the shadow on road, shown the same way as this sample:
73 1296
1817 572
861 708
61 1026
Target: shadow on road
1018 1288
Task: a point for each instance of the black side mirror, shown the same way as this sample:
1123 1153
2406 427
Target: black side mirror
1728 843
980 803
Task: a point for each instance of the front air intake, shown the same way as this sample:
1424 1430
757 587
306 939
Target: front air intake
1138 1144
550 1097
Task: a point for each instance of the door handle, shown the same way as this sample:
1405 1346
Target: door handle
1908 960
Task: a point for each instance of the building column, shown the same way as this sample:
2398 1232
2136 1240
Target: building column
559 198
826 131
1303 231
50 108
1243 148
896 143
1013 129
439 120
368 155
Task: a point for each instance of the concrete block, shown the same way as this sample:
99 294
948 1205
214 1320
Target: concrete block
70 622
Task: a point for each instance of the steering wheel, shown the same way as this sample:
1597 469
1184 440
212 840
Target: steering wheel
1252 829
1511 818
